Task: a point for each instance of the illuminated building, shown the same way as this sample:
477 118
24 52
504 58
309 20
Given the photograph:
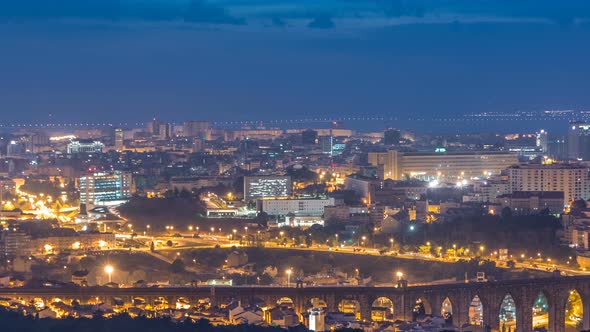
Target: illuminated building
303 207
326 144
317 318
256 187
542 141
397 165
578 141
13 242
119 139
103 188
571 179
84 146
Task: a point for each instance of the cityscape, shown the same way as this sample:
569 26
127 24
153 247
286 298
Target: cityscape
268 166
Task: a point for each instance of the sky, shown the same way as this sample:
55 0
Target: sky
131 60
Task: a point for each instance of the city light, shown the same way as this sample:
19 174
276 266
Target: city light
109 270
289 271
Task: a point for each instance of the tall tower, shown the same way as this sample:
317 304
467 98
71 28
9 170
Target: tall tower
578 141
119 139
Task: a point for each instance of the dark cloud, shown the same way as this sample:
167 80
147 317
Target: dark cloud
278 22
87 9
321 22
202 12
199 11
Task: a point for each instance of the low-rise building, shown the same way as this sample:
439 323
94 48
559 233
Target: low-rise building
304 207
533 202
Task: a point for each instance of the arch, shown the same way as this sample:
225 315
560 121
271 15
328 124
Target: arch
350 306
574 311
286 302
507 314
38 303
139 302
161 303
446 310
382 309
421 308
541 312
316 302
183 303
476 311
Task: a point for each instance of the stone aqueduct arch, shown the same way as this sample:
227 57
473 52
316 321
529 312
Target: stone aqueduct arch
460 295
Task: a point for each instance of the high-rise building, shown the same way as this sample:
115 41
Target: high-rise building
578 141
119 139
571 179
397 165
196 129
326 144
256 187
153 127
102 188
541 140
557 147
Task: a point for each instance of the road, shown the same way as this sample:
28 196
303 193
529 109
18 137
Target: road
209 241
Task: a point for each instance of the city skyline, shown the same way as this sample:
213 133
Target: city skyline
295 165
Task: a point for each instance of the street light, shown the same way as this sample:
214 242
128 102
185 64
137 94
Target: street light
289 271
399 275
109 270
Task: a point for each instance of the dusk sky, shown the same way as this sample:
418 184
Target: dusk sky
271 59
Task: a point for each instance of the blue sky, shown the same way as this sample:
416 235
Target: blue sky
255 59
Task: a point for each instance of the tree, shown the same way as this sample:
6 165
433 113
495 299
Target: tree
152 247
391 137
87 263
506 213
578 204
177 266
309 136
262 219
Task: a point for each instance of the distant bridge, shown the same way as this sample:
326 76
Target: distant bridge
456 298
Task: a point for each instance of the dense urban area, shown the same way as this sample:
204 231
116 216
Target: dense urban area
163 206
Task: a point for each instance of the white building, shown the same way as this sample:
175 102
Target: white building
303 207
84 146
317 320
256 187
571 179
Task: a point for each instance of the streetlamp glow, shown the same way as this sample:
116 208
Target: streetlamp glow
109 270
399 275
289 271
